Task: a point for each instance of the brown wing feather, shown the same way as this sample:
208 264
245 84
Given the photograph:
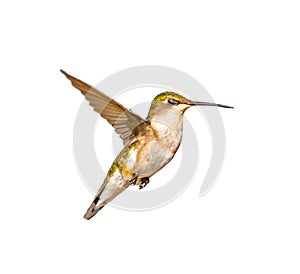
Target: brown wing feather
122 119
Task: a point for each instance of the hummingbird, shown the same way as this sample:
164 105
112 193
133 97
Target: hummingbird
149 144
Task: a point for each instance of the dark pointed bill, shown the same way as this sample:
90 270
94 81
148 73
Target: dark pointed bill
209 104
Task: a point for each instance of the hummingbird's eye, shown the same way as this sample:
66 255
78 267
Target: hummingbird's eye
173 101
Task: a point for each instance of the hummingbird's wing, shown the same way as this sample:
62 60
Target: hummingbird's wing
122 119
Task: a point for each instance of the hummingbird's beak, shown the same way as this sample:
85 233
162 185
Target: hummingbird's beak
209 104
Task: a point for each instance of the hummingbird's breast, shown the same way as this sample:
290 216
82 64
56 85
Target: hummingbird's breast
154 146
158 149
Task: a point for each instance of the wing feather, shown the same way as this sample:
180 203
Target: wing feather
122 119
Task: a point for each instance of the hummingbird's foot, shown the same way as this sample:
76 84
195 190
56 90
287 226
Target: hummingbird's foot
133 180
144 182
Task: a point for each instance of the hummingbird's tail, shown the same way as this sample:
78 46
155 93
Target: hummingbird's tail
106 193
96 205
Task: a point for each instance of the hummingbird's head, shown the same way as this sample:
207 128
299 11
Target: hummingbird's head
174 102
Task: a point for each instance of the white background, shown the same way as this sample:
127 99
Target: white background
245 53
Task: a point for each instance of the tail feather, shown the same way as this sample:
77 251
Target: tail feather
96 205
105 195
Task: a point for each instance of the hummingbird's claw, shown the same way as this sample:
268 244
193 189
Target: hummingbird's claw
133 180
144 182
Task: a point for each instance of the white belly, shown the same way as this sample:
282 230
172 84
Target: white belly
159 152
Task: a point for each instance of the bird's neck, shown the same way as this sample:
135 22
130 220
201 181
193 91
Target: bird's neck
166 120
